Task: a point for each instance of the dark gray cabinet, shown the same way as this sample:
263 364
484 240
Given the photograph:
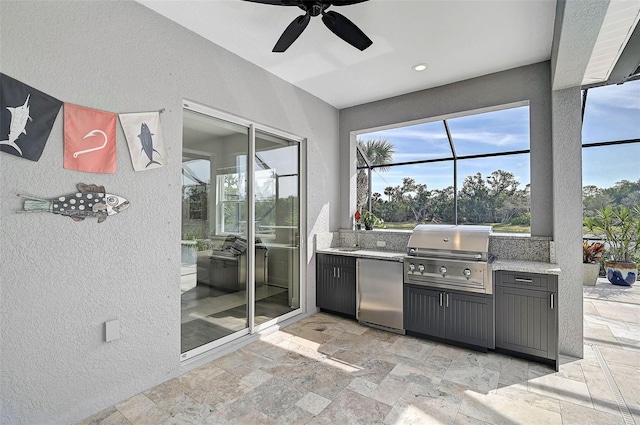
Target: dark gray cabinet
336 284
461 317
527 315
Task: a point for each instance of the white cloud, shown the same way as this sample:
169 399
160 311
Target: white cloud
487 138
407 133
625 96
479 137
418 156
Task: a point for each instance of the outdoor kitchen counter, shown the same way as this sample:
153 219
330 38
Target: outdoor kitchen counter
525 266
364 253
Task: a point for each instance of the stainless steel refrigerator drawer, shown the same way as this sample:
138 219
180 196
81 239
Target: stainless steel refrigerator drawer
379 293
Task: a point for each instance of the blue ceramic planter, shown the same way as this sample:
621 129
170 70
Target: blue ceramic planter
623 274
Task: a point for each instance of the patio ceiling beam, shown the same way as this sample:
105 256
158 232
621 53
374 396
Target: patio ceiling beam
576 30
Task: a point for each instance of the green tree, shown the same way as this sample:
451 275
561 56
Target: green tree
473 200
415 197
505 200
623 193
593 199
378 152
441 210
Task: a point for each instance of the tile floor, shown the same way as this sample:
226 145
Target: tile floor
329 370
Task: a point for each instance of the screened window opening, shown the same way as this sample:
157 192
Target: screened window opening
472 169
611 147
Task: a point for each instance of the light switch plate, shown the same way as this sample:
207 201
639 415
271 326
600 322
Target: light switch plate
111 330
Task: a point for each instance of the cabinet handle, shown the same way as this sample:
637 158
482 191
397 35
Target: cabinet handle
552 300
523 280
334 271
440 299
338 272
447 295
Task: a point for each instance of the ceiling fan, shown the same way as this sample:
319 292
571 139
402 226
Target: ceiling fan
337 23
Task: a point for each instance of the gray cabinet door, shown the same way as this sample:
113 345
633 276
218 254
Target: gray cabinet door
468 319
336 284
460 317
526 322
423 312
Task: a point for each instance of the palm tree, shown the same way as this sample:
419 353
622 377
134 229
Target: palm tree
377 151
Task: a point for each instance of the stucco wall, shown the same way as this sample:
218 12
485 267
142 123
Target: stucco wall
60 280
567 215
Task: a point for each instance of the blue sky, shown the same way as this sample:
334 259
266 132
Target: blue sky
498 131
612 113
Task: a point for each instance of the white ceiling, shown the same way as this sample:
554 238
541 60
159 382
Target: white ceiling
457 39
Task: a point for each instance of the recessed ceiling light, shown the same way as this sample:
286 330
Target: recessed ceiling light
420 67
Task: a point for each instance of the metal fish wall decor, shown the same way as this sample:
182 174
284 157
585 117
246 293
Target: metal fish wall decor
90 201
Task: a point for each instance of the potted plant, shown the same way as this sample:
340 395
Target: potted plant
369 220
591 256
357 216
620 228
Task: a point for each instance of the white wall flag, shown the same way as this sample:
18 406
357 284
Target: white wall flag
144 137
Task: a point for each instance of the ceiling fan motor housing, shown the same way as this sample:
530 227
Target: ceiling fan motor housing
337 23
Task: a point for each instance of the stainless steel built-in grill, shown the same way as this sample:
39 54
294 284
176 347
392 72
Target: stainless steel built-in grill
450 257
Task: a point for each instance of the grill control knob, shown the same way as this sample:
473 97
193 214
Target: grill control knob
420 268
412 267
466 273
443 270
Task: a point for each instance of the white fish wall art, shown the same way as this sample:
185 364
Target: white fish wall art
19 117
27 116
91 201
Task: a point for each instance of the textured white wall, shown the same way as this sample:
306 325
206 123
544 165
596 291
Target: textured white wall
61 280
567 215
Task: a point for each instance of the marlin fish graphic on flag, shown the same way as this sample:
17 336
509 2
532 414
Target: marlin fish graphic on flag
26 118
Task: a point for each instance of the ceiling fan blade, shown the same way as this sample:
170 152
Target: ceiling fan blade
346 30
308 2
292 33
344 2
275 2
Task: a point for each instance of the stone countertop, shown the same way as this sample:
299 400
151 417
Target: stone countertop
508 265
525 266
364 253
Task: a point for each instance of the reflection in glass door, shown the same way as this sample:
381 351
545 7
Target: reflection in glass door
213 286
240 261
276 194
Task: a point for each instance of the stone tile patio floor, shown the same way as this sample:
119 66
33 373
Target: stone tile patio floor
329 370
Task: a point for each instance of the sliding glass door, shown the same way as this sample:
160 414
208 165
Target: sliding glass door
214 216
240 260
277 218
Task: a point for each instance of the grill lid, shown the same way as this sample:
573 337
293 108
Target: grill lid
448 239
